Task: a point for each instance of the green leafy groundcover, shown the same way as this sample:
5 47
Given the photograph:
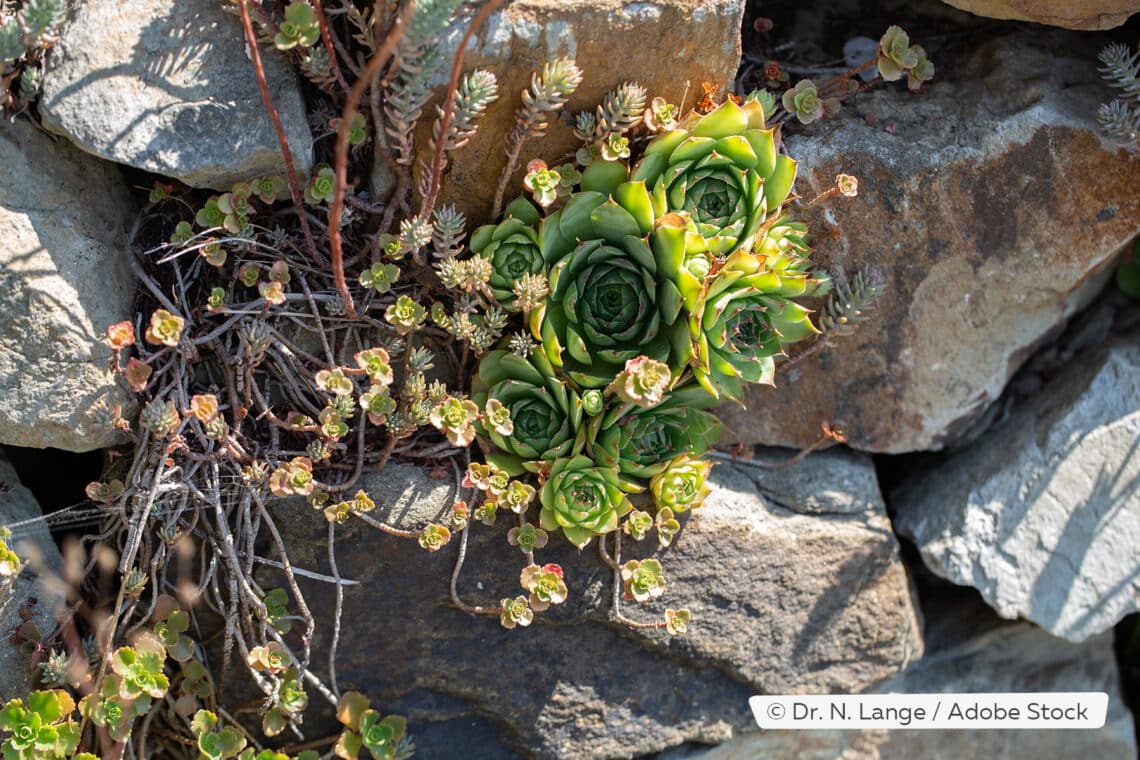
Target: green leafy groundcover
672 284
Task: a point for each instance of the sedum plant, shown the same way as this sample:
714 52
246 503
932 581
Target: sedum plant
1120 118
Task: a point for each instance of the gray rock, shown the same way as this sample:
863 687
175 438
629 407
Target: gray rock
32 541
167 86
969 650
994 209
63 280
1042 515
784 598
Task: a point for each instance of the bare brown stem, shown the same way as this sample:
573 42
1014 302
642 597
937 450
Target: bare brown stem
351 106
286 154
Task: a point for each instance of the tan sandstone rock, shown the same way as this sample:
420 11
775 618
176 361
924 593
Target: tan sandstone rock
1071 14
668 46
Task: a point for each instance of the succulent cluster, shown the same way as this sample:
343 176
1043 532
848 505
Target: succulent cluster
669 284
1120 67
27 30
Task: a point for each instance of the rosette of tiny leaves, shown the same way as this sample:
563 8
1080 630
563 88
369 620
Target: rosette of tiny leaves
434 537
517 496
643 382
215 743
322 185
546 414
643 579
376 363
640 443
267 188
922 71
380 277
682 485
498 417
667 526
277 610
803 102
545 585
299 28
896 55
42 730
677 621
296 477
120 335
527 537
334 381
456 418
271 658
723 169
742 322
365 729
165 328
513 249
140 672
378 404
405 315
582 499
661 115
614 289
515 612
638 525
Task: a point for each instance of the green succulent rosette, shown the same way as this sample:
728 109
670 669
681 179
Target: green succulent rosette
744 319
724 170
513 249
641 443
614 289
546 413
582 499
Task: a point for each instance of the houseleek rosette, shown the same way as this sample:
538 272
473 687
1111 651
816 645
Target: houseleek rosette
512 247
582 499
743 321
640 442
723 169
545 413
614 288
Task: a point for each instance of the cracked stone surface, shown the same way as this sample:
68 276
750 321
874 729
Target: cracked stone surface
1042 515
167 86
793 577
63 280
1071 14
994 209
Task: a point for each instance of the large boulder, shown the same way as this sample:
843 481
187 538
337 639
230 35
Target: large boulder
1042 514
993 209
167 86
613 41
1071 14
63 280
793 577
36 591
968 650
